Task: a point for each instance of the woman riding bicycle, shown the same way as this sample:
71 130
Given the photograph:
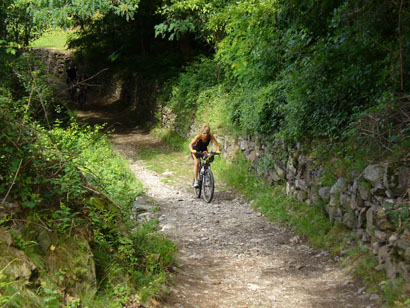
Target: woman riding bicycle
200 144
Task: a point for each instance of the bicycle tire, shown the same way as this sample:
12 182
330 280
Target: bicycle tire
208 186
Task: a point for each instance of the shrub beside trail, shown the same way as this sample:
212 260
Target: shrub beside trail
66 198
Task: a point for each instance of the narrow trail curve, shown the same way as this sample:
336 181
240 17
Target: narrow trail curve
232 257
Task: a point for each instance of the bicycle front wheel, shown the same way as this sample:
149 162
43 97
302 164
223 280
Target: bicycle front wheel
208 185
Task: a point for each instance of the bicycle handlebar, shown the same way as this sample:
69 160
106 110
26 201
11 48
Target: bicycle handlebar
212 152
201 153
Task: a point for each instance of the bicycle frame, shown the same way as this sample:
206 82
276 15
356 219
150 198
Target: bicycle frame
205 176
205 162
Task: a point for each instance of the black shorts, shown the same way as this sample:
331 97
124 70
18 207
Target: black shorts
197 156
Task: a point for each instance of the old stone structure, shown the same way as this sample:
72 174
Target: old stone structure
54 60
374 202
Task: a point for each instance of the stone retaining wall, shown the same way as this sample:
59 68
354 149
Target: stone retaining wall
54 60
374 203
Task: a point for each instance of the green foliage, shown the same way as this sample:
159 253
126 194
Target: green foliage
63 218
23 108
90 158
183 100
257 110
50 296
73 13
159 254
15 26
56 39
131 268
70 183
188 17
213 109
298 69
119 34
79 158
147 255
250 61
15 295
326 89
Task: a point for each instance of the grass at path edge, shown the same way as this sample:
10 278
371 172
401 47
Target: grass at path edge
308 221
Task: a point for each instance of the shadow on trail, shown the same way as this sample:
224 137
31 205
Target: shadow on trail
113 117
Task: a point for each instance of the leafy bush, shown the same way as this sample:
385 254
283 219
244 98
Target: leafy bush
24 106
183 100
257 110
213 109
70 182
298 69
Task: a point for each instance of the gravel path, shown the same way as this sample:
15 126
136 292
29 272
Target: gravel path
232 257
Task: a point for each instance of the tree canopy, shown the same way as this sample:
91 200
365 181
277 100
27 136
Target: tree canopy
298 68
301 68
280 70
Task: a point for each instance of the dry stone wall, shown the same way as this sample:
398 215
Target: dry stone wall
54 60
110 87
374 203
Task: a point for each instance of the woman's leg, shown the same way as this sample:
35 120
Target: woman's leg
196 167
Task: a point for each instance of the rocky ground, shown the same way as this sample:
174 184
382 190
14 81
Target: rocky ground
231 256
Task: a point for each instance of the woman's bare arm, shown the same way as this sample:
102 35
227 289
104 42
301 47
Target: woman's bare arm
194 141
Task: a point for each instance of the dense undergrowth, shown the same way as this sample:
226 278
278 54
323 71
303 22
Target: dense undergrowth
331 75
66 200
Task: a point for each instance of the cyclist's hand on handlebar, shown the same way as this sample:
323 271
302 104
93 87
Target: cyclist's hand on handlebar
218 152
193 151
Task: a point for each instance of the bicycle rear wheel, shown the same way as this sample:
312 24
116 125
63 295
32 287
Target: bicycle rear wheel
208 185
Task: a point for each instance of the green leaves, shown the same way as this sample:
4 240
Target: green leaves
71 13
39 163
328 61
188 16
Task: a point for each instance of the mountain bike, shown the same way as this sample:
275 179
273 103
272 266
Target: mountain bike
205 178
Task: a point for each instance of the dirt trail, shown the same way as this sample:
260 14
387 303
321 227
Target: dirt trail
231 256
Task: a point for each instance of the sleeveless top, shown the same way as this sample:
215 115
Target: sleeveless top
202 146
